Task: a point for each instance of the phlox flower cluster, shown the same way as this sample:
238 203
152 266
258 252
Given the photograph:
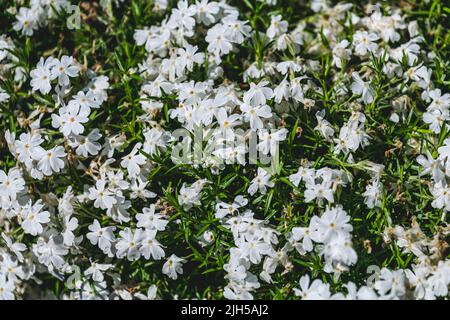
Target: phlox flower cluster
205 149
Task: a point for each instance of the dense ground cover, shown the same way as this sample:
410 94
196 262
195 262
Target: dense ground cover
237 149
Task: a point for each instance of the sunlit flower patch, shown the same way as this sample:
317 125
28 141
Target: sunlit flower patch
255 149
